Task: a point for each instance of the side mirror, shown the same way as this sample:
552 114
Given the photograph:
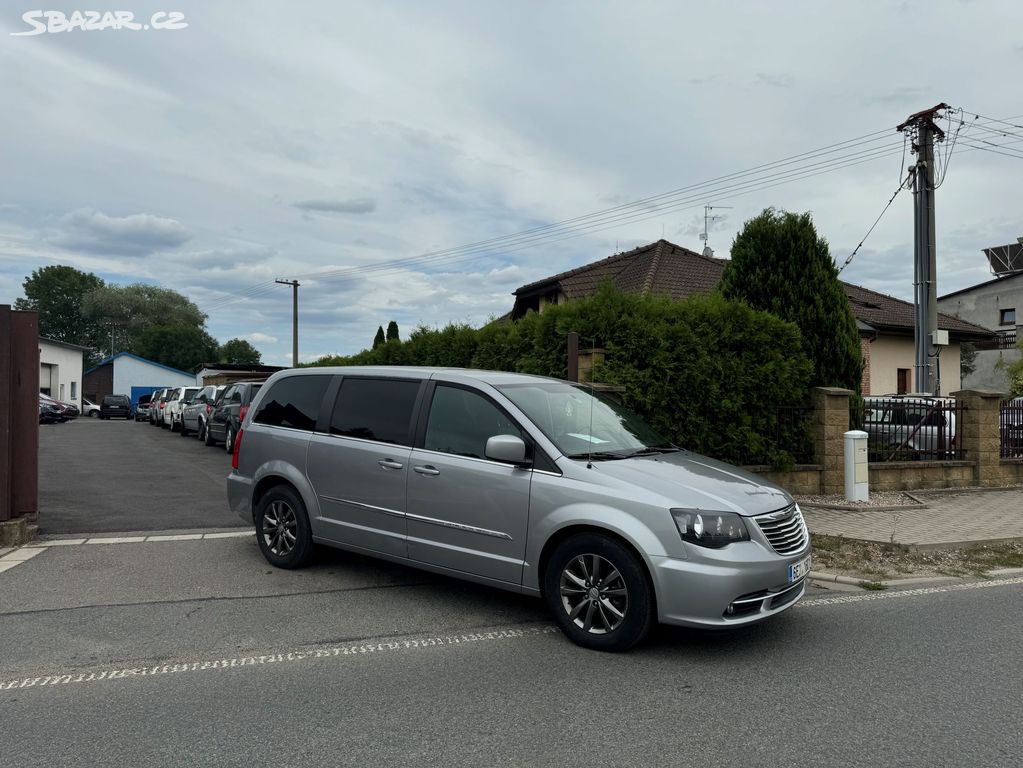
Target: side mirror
506 448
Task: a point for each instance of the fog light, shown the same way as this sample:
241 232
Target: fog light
730 609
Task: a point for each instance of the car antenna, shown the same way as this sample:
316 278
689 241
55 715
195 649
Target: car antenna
589 432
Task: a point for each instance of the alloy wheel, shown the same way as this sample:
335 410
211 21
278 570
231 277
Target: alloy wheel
594 595
280 528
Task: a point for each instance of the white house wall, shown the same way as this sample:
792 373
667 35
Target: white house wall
63 368
129 372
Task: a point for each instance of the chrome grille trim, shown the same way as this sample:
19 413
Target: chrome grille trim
785 531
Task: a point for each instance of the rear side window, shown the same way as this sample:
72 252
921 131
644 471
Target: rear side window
293 402
233 395
375 409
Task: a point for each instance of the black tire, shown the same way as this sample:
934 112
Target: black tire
183 431
200 433
209 439
229 440
613 614
93 414
282 528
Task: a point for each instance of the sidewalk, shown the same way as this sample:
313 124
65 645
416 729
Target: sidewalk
945 519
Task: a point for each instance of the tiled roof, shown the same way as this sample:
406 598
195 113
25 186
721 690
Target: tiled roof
661 267
886 312
667 269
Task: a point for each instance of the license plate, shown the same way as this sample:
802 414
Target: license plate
800 569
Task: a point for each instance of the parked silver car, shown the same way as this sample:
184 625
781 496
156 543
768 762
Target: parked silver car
195 416
525 483
179 398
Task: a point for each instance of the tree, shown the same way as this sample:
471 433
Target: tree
379 338
57 293
1014 373
179 346
781 265
392 331
967 359
239 352
132 309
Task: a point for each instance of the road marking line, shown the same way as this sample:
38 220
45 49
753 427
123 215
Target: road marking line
58 543
25 553
320 652
231 535
176 537
889 595
117 540
6 566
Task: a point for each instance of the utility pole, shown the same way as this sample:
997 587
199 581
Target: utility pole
294 319
922 132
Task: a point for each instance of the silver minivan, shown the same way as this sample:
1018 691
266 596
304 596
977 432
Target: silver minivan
526 483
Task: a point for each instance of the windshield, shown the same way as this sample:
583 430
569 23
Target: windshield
580 422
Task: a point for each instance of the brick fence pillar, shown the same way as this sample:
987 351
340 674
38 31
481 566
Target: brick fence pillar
830 423
979 433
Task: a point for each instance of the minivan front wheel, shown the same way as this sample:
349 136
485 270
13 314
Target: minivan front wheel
598 592
282 528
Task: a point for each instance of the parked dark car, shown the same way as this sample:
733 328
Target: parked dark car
49 412
115 406
64 411
227 416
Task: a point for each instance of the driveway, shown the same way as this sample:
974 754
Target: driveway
112 476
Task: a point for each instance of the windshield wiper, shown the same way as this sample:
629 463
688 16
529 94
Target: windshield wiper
600 455
655 450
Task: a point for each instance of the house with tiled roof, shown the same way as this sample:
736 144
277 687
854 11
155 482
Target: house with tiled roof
663 268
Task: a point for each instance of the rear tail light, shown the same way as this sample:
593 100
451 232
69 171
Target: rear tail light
209 409
241 415
162 404
237 449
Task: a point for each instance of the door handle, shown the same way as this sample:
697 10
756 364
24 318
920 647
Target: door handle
426 470
390 464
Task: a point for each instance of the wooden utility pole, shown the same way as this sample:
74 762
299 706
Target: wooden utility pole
294 319
923 131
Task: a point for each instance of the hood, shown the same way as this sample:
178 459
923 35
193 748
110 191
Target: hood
692 481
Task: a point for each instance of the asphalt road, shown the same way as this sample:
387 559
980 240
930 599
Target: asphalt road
106 476
197 653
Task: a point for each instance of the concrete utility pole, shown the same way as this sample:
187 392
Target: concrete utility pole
294 319
923 131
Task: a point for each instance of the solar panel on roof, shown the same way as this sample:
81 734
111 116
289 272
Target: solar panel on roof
1005 259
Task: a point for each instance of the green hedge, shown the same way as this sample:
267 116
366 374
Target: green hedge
706 372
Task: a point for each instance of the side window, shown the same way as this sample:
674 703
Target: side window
293 402
229 394
235 396
462 421
375 409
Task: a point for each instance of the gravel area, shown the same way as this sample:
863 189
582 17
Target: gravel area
877 499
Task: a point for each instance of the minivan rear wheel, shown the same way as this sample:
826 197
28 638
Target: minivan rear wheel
282 528
598 591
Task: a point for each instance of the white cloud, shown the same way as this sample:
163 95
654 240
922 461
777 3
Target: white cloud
261 338
138 234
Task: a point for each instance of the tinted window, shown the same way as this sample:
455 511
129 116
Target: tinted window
293 402
461 422
233 395
375 409
253 389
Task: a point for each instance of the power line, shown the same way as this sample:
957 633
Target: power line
849 258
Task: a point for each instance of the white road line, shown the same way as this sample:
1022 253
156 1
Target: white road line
899 593
6 566
117 540
63 677
306 654
176 537
20 555
230 535
58 543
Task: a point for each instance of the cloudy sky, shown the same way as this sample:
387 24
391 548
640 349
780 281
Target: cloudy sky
322 141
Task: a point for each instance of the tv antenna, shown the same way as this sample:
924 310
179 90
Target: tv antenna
707 219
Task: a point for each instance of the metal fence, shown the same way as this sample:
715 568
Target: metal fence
1010 431
910 428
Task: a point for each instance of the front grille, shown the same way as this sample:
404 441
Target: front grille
784 530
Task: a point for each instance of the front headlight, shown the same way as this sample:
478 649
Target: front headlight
710 529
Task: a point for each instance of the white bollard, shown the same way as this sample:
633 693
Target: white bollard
857 475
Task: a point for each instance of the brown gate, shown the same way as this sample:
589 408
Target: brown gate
19 423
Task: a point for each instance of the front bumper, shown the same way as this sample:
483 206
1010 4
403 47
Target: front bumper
698 591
